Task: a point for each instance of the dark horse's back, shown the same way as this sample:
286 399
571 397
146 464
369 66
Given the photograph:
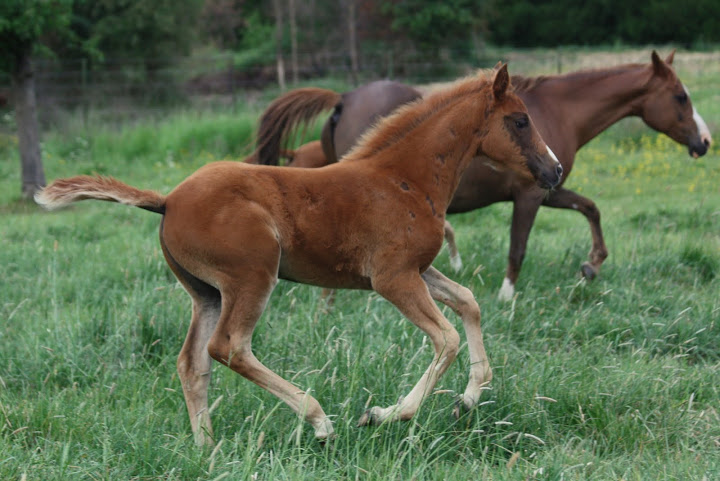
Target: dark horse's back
360 109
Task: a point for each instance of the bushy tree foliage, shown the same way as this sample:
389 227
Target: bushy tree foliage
534 23
22 25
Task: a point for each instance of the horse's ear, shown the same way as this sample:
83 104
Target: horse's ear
660 68
501 83
498 65
669 59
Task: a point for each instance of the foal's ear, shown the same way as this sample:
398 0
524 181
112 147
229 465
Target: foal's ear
498 65
660 68
669 59
501 83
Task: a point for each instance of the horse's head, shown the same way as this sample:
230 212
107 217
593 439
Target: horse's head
512 138
667 108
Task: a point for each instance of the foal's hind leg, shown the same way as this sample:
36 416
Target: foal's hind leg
455 260
461 300
567 199
194 362
243 300
410 295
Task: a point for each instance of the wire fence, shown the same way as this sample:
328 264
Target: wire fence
123 88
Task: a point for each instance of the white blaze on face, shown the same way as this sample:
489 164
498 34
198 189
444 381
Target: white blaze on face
702 128
552 154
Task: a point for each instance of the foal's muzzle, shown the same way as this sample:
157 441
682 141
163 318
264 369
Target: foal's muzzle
551 177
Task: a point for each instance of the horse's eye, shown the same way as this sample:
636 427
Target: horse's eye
682 98
522 123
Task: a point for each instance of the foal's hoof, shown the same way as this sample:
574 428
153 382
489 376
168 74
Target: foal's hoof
588 271
459 409
369 418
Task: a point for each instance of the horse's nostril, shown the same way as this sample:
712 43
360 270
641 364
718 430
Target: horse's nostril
559 170
706 142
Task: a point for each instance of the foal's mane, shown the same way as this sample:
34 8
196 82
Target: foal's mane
405 119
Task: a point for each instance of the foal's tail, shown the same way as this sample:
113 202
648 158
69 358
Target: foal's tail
285 114
65 191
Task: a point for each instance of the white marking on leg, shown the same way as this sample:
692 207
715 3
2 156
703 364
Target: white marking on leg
507 291
456 262
324 430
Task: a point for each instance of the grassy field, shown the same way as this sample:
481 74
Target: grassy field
614 379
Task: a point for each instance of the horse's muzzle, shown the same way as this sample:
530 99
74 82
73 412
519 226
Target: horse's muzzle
698 147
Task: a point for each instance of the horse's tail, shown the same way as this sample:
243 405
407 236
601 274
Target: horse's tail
65 191
285 114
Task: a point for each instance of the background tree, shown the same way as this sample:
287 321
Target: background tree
23 23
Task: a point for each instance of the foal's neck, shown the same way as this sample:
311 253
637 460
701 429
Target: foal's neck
589 102
436 153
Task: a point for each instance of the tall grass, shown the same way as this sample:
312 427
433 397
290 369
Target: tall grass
612 379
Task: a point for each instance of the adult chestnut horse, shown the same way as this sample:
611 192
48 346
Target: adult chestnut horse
375 221
569 110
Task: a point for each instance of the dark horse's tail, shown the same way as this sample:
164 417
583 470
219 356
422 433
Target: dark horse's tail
285 114
65 191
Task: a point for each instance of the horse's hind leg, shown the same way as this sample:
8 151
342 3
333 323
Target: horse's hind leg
455 260
461 300
567 199
243 301
410 295
194 362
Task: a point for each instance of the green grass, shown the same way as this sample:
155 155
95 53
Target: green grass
613 379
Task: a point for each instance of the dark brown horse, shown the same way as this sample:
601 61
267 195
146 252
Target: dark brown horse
374 221
569 110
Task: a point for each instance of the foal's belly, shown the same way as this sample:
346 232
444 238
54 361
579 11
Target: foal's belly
337 274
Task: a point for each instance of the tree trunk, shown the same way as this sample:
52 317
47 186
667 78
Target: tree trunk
293 41
23 90
277 8
352 40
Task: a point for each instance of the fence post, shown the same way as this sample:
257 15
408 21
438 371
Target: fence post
559 61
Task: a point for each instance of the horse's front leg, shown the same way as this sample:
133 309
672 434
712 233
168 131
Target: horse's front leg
461 300
410 295
525 208
567 199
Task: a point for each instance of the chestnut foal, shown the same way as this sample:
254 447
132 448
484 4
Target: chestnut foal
231 230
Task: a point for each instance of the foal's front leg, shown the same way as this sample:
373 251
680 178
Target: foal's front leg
461 300
410 295
567 199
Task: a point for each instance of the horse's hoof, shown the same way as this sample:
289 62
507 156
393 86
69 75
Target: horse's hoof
588 271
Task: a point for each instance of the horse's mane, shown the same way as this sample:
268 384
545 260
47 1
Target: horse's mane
521 83
406 118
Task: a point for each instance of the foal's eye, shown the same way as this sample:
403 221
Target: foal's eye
682 98
522 122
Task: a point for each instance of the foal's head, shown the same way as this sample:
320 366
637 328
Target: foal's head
512 138
668 109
